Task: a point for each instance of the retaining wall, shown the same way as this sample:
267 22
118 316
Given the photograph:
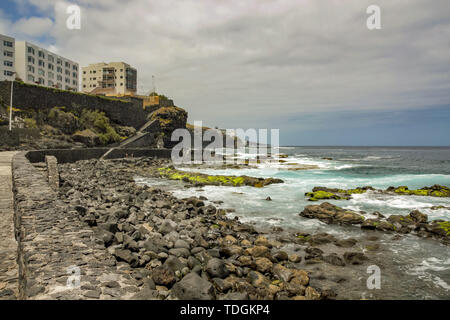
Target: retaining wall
73 155
38 98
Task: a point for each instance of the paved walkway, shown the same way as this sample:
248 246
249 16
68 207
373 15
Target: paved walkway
8 244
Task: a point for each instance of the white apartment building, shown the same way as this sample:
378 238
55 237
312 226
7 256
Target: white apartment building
114 78
36 65
7 56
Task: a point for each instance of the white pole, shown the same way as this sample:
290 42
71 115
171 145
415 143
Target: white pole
11 105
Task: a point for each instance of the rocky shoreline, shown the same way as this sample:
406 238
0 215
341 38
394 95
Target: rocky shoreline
189 249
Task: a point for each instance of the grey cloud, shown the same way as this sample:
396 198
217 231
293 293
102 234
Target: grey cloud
257 60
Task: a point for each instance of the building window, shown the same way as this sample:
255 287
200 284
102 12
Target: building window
84 86
50 83
59 77
74 74
30 50
75 68
51 75
41 54
41 72
30 59
41 63
41 81
74 82
8 63
8 73
7 43
67 64
67 80
31 69
7 53
51 67
50 58
84 72
59 61
59 69
30 78
68 72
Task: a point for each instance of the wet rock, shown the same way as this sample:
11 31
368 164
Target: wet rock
385 226
331 214
281 256
369 224
313 252
295 258
334 259
321 238
346 243
418 216
354 257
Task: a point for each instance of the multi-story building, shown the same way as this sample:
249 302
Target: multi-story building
111 79
7 55
39 66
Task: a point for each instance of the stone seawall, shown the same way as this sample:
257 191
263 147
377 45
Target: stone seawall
58 256
73 155
17 135
38 98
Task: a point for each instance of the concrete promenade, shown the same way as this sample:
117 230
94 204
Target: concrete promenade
8 244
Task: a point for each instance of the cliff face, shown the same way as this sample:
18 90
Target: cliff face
169 119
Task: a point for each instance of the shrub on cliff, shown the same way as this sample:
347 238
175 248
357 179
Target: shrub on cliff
100 124
30 123
67 122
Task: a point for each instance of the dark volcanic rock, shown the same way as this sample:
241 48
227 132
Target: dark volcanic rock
217 268
329 213
193 287
355 257
163 276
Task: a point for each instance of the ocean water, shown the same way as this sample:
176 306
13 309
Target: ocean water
422 264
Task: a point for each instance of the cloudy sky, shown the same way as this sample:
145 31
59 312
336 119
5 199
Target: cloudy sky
308 67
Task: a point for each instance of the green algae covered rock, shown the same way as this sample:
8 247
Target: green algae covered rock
322 193
433 191
223 180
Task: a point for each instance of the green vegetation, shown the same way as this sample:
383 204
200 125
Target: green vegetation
30 123
199 178
98 122
321 195
434 191
445 225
